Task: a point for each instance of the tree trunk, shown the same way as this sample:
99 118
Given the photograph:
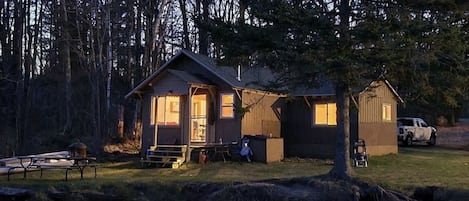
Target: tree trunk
148 40
203 34
157 38
68 69
185 28
109 57
242 11
342 167
17 58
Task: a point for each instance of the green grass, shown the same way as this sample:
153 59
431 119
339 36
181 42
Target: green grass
419 167
411 168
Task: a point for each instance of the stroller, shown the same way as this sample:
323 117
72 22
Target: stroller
360 157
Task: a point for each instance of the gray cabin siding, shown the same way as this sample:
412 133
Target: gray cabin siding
227 129
168 84
147 129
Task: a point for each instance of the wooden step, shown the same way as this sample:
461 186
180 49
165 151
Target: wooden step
165 158
174 164
164 155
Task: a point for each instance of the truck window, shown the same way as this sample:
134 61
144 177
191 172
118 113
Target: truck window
423 124
405 122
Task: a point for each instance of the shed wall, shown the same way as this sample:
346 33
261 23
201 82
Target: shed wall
263 117
379 134
301 138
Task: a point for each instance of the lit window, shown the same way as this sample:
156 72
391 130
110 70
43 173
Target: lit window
386 112
227 106
168 111
325 114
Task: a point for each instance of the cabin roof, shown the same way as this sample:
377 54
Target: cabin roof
250 77
189 78
326 88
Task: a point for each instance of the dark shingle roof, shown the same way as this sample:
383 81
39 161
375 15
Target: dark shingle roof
258 78
251 77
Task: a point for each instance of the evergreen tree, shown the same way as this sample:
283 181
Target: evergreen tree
348 42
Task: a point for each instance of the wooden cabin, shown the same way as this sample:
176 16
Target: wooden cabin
309 120
191 102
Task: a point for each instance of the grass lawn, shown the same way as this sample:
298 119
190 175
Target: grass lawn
419 166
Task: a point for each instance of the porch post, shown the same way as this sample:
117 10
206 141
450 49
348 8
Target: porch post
189 137
155 131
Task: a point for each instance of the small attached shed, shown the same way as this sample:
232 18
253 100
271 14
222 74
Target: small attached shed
309 120
193 102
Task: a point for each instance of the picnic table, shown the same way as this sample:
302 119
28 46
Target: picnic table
35 162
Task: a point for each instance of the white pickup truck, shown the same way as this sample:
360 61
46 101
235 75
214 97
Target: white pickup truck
410 130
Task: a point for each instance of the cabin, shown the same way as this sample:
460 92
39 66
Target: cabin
191 102
309 120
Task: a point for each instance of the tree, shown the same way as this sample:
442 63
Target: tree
440 63
346 41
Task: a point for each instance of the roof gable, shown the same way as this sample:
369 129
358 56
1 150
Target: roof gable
253 78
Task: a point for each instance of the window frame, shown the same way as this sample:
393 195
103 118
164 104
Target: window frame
169 104
327 124
386 116
226 106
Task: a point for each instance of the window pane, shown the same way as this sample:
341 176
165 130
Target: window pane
168 110
387 112
227 99
226 110
161 102
331 114
325 114
320 116
172 110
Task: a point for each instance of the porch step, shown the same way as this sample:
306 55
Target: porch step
166 156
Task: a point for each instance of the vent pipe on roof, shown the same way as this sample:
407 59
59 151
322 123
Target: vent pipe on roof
239 73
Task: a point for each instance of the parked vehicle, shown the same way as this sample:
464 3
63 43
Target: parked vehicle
410 130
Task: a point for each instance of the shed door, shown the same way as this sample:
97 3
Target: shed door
199 118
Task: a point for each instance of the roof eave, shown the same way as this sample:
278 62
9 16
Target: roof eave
153 75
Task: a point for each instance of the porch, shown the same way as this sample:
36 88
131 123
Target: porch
175 155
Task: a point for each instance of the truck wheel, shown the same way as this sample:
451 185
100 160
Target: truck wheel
408 141
432 140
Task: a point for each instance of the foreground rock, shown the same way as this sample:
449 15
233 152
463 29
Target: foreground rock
16 194
81 196
311 189
297 189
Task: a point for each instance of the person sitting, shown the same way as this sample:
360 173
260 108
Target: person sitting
246 151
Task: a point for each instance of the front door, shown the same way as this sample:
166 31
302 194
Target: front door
199 118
